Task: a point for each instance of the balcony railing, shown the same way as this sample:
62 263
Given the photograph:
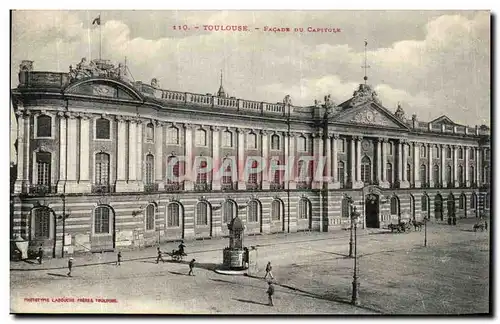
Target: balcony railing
424 184
40 189
252 186
227 186
176 186
303 185
201 186
151 187
276 186
102 188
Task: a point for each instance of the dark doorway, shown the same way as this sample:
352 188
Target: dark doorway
451 206
372 211
438 207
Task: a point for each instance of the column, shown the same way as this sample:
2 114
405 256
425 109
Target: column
21 131
352 153
139 156
443 166
216 163
286 142
416 165
466 166
265 158
378 178
291 165
358 161
188 163
328 159
62 152
478 166
383 144
319 163
335 176
241 159
455 165
159 163
429 148
121 148
72 153
399 179
406 181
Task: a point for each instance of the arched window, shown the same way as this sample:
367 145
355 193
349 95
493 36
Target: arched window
423 151
227 176
345 208
423 173
301 144
435 174
341 143
150 132
227 139
202 213
460 153
172 135
201 137
253 211
102 129
460 175
448 174
391 148
276 208
150 162
101 169
461 202
150 217
304 208
252 177
252 141
389 172
229 211
173 165
341 172
43 126
174 211
394 206
448 153
437 151
408 173
41 225
472 174
425 203
366 170
43 166
275 142
101 220
201 176
473 201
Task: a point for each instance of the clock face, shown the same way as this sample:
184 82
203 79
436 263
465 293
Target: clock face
365 145
370 116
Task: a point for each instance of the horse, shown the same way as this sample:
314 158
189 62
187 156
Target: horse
417 225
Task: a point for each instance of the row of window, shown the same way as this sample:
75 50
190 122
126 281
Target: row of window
103 216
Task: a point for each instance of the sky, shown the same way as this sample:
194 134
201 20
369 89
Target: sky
432 62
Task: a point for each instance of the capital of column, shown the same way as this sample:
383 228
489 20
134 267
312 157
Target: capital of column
215 128
188 126
159 123
403 141
336 136
61 114
266 132
71 115
317 134
358 138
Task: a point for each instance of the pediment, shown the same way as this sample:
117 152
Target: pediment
103 88
369 114
443 120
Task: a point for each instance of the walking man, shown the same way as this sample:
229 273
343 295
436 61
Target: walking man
270 293
119 257
191 266
40 254
269 268
485 225
70 266
159 257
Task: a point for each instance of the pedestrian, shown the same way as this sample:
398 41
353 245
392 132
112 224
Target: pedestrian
191 266
485 225
119 258
270 293
159 257
40 254
70 266
181 248
269 268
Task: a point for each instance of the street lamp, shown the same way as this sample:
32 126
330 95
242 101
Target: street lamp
63 217
349 203
425 231
355 285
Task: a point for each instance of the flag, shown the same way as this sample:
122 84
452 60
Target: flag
366 43
97 21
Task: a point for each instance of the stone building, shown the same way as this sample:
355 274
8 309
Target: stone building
104 162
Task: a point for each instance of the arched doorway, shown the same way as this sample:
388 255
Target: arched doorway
103 229
450 204
372 211
438 207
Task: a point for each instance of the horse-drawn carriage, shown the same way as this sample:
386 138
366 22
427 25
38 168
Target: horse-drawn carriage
177 255
400 227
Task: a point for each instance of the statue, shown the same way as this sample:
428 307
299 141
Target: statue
328 103
363 94
316 103
400 114
287 101
154 83
26 66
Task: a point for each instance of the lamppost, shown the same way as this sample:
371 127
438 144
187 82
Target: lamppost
349 203
355 285
425 231
63 217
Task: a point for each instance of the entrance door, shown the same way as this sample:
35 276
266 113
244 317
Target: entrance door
372 211
438 207
103 234
451 206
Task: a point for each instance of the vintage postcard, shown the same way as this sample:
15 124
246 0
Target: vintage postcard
250 162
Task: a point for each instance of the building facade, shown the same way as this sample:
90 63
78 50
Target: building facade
106 163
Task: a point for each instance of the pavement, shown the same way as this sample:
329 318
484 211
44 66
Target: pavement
313 275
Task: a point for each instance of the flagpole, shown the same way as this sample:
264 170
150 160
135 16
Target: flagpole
100 37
